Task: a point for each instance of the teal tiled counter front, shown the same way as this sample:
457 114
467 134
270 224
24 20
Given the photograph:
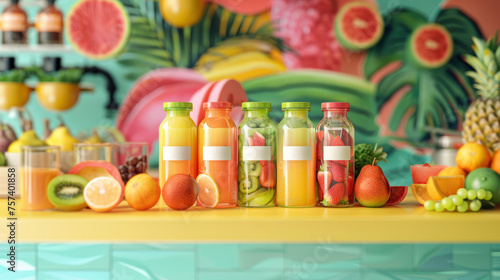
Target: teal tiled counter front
254 261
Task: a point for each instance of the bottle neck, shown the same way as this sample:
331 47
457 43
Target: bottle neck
177 113
257 113
335 113
296 113
221 113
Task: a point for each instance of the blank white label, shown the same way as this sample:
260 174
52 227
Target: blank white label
337 153
216 152
176 153
256 152
296 152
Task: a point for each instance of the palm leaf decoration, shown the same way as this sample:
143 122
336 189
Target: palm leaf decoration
154 43
433 97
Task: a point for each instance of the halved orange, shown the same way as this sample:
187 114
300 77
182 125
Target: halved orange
440 187
209 193
420 193
102 194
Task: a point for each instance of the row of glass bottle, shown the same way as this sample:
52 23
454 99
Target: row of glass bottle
259 164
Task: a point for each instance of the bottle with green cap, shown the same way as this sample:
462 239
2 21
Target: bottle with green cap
177 142
257 156
296 157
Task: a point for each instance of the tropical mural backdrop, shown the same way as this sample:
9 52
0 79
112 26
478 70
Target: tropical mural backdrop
400 64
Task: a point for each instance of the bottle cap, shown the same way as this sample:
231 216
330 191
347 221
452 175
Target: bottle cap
296 105
177 106
255 105
217 105
334 105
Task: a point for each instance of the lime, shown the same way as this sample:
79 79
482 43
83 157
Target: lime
487 179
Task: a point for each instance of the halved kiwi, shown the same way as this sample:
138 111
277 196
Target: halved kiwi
249 185
65 192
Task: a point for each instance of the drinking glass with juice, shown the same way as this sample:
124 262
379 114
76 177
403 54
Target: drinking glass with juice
257 156
296 157
39 165
218 151
178 142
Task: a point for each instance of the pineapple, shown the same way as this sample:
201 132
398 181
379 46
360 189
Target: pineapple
482 119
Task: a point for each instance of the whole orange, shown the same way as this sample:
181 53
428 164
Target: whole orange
180 192
142 192
495 162
472 156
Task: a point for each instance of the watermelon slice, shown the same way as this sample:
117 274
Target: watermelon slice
98 29
358 25
398 194
431 46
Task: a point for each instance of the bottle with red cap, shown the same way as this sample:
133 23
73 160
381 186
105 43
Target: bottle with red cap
335 156
217 157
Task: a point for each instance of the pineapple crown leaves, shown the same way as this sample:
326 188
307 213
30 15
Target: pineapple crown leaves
486 64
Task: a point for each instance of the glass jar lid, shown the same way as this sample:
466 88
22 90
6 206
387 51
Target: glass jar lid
296 105
217 105
177 106
255 105
334 105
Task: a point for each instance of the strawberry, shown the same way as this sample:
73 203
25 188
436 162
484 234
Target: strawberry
258 139
320 135
335 194
324 178
350 185
267 176
319 150
338 171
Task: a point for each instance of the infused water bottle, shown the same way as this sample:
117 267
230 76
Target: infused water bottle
257 156
178 144
296 157
218 157
335 156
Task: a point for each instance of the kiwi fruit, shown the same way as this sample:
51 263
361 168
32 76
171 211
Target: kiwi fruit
65 192
249 185
251 169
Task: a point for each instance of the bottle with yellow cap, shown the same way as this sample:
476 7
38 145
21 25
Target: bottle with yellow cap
177 142
296 157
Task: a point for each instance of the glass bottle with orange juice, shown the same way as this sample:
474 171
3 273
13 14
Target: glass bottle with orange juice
296 157
178 143
218 157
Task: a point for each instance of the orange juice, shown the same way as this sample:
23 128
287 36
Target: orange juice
177 142
296 157
218 151
34 183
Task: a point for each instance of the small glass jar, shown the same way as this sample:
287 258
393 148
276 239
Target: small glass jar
257 156
39 165
296 157
218 154
92 152
335 156
131 158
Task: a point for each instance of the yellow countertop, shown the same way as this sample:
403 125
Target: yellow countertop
406 223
